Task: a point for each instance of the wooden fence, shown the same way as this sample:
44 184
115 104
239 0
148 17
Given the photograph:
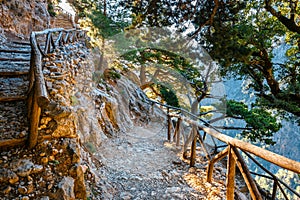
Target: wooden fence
43 43
232 151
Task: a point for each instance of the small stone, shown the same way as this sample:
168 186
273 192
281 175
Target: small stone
7 190
37 168
54 152
25 198
30 188
49 84
44 160
7 175
14 179
22 134
126 196
42 184
178 195
42 154
45 198
173 190
51 158
49 186
66 188
22 190
84 168
192 170
24 167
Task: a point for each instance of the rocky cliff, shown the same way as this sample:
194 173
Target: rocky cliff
20 17
84 110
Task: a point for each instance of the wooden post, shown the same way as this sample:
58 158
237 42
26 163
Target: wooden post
274 189
59 39
176 136
230 175
47 45
52 43
203 145
152 108
211 163
254 192
193 148
178 132
169 125
34 122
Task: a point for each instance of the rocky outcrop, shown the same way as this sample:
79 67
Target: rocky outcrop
20 17
83 111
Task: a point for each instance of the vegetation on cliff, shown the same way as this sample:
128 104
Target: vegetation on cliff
241 36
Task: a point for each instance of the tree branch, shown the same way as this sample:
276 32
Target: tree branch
289 23
232 128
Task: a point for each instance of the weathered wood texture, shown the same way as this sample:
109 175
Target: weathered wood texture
15 98
169 126
254 192
194 145
211 163
230 183
13 73
37 94
233 156
176 136
269 156
12 142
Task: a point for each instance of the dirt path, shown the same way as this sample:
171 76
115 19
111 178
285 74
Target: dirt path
142 165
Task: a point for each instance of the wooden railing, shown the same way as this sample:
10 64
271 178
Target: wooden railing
38 97
232 151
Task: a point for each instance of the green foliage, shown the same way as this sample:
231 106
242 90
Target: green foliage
168 95
242 37
169 59
107 23
50 8
113 74
107 27
260 124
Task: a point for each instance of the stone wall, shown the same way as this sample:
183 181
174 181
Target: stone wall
20 17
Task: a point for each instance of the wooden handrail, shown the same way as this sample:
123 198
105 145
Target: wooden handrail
234 158
38 97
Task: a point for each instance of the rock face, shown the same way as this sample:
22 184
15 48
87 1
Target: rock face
83 111
66 189
20 17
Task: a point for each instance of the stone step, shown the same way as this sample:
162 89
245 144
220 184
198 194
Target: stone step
17 58
13 121
14 63
13 73
13 55
19 66
14 51
13 46
20 42
13 86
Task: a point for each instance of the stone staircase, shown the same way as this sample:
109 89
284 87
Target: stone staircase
14 83
62 20
14 70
